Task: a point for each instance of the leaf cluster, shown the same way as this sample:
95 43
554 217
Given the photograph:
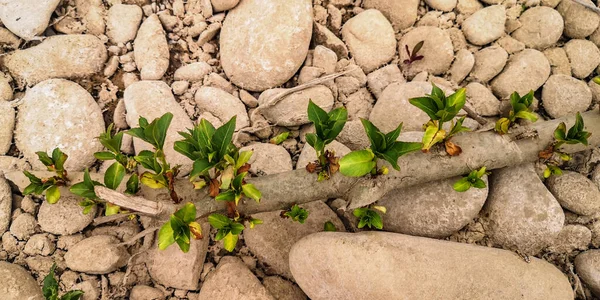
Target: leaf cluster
50 288
113 144
296 214
54 163
414 54
552 156
228 230
180 228
471 180
368 216
520 109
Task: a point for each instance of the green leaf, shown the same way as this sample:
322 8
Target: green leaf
222 137
526 115
432 136
104 155
72 295
133 184
502 126
230 241
280 138
228 195
457 100
52 194
137 132
183 243
50 287
111 209
44 158
114 175
205 133
357 163
560 132
153 181
243 158
59 159
236 228
515 98
200 167
399 149
462 185
578 127
376 137
375 219
458 128
337 120
481 172
30 189
392 136
317 116
328 226
165 236
187 213
32 178
251 192
253 222
480 184
186 148
218 221
227 177
87 205
360 212
427 105
159 132
84 190
238 181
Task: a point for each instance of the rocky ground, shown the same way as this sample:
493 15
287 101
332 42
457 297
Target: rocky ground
71 67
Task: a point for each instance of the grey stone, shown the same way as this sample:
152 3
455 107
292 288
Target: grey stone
437 51
144 292
66 216
107 255
564 95
584 57
268 159
309 154
151 49
571 238
23 226
5 205
525 71
485 25
559 62
489 62
193 72
17 284
379 79
122 22
27 18
402 13
222 105
575 192
462 66
482 99
39 244
282 289
541 27
587 265
579 21
291 110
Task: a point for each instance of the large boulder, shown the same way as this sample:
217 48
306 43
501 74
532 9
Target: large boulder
27 18
255 54
525 71
379 265
59 113
17 284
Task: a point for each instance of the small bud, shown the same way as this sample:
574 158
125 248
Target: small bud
384 170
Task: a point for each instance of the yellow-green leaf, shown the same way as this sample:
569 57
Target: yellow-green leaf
432 136
230 241
153 181
52 194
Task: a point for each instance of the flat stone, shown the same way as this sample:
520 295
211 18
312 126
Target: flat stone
7 126
152 99
291 110
73 126
437 50
17 284
575 192
66 216
248 55
222 105
564 95
5 205
541 27
559 62
584 57
272 240
268 159
151 50
587 265
193 72
39 244
432 210
23 226
144 292
525 71
523 214
123 22
402 13
485 26
324 36
108 257
61 56
27 18
579 21
370 39
462 65
379 79
482 99
423 268
173 268
233 280
489 62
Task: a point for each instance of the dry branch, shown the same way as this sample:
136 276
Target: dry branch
280 191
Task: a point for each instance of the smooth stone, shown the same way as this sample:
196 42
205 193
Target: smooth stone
489 62
443 5
223 5
584 57
107 255
61 56
579 21
256 55
23 226
353 135
173 268
123 22
575 192
379 79
272 240
73 126
393 107
522 213
222 105
282 289
7 126
323 36
151 50
510 44
525 71
66 216
437 50
463 65
559 61
370 39
395 266
291 110
587 266
193 72
541 27
571 238
144 292
564 95
152 99
27 18
433 210
402 13
485 26
233 280
5 205
482 99
17 283
309 154
268 159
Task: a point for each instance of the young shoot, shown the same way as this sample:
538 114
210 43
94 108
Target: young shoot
327 127
280 138
414 54
329 226
471 180
113 145
384 146
295 213
180 229
552 157
441 109
54 163
369 216
228 230
50 288
520 109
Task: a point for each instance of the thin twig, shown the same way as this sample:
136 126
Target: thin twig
111 218
473 115
138 236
